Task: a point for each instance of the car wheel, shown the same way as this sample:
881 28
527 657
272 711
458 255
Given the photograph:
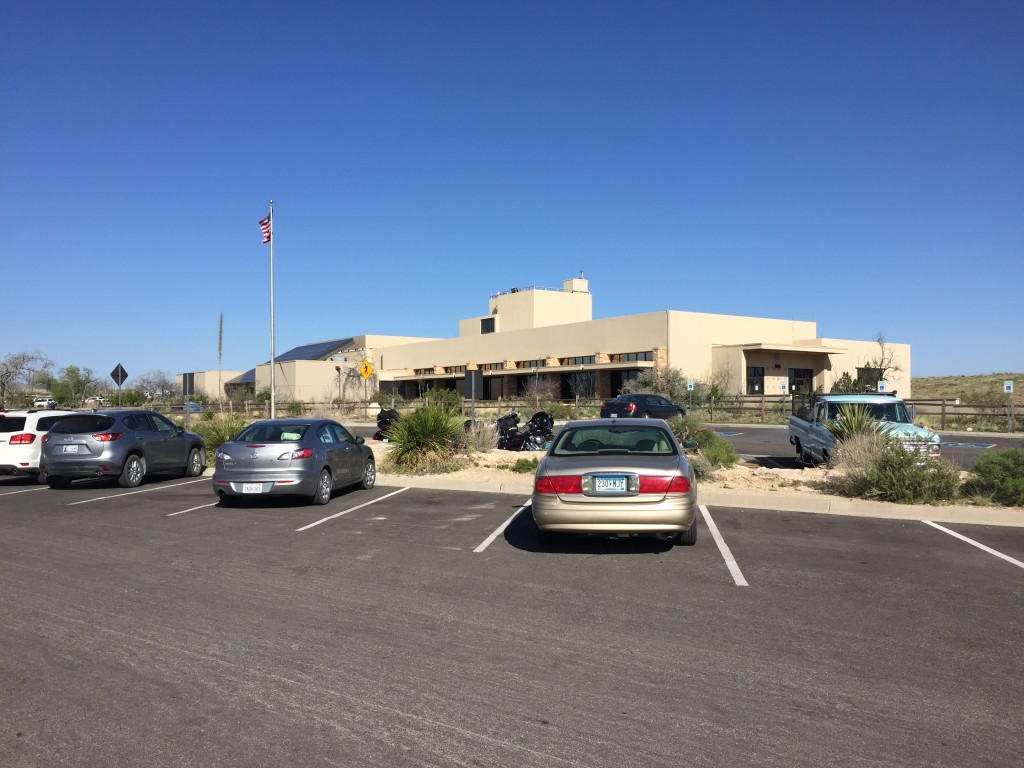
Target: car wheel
647 414
323 487
369 475
688 537
58 482
133 472
195 463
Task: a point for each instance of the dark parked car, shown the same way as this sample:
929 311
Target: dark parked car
641 405
292 457
126 444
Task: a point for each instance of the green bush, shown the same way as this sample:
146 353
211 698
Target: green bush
855 419
445 399
998 476
426 432
879 467
713 449
524 466
562 411
217 432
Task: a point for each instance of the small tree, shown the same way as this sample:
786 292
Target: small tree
21 368
667 382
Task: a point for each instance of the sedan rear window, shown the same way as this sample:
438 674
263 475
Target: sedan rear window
614 440
272 433
12 423
88 422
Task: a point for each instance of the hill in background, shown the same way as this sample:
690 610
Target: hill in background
983 388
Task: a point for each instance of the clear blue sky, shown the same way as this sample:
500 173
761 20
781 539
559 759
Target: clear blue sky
858 164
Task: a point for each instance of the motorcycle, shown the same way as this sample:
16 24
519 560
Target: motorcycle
385 420
535 435
509 437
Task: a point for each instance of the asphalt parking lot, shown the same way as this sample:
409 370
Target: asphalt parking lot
417 627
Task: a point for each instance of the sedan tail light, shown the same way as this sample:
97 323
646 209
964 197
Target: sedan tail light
559 484
107 437
664 484
26 438
301 453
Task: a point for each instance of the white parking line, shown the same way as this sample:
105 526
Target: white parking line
145 490
24 490
350 509
191 509
730 561
501 528
974 543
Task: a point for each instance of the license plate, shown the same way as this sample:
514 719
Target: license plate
609 484
70 449
252 487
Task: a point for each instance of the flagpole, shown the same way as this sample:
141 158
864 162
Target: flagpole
273 365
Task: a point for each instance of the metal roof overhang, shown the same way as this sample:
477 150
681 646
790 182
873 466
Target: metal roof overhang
804 349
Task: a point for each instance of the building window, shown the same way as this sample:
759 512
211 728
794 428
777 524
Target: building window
801 380
487 325
494 367
531 363
632 357
755 380
588 360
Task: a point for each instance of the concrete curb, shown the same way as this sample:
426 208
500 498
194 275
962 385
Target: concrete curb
522 485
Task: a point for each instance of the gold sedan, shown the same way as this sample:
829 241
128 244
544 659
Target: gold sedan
616 477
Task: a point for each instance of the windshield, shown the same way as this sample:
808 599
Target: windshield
895 412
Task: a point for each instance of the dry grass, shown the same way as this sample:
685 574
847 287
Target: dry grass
969 389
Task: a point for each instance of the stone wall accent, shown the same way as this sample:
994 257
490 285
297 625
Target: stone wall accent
660 357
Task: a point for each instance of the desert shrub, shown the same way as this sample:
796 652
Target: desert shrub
523 466
427 462
480 436
217 432
711 446
900 476
879 467
998 476
445 399
702 468
431 433
562 411
853 460
294 408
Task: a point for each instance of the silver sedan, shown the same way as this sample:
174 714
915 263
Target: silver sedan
616 477
293 457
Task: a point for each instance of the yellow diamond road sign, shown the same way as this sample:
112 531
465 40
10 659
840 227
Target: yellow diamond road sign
366 370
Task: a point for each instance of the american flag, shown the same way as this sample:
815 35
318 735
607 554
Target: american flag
265 229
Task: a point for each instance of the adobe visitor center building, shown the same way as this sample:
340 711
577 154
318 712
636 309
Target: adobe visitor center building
534 334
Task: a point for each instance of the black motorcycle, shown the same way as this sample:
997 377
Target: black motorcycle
534 435
509 437
385 420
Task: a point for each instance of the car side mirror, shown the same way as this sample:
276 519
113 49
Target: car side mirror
359 440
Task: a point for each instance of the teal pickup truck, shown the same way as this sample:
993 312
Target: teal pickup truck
815 444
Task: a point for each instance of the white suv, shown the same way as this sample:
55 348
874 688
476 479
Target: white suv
44 402
20 437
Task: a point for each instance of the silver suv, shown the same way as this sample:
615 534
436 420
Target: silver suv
126 444
21 435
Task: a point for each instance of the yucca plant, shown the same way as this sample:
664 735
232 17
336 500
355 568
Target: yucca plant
426 431
855 419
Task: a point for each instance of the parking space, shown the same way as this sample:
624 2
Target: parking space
403 626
